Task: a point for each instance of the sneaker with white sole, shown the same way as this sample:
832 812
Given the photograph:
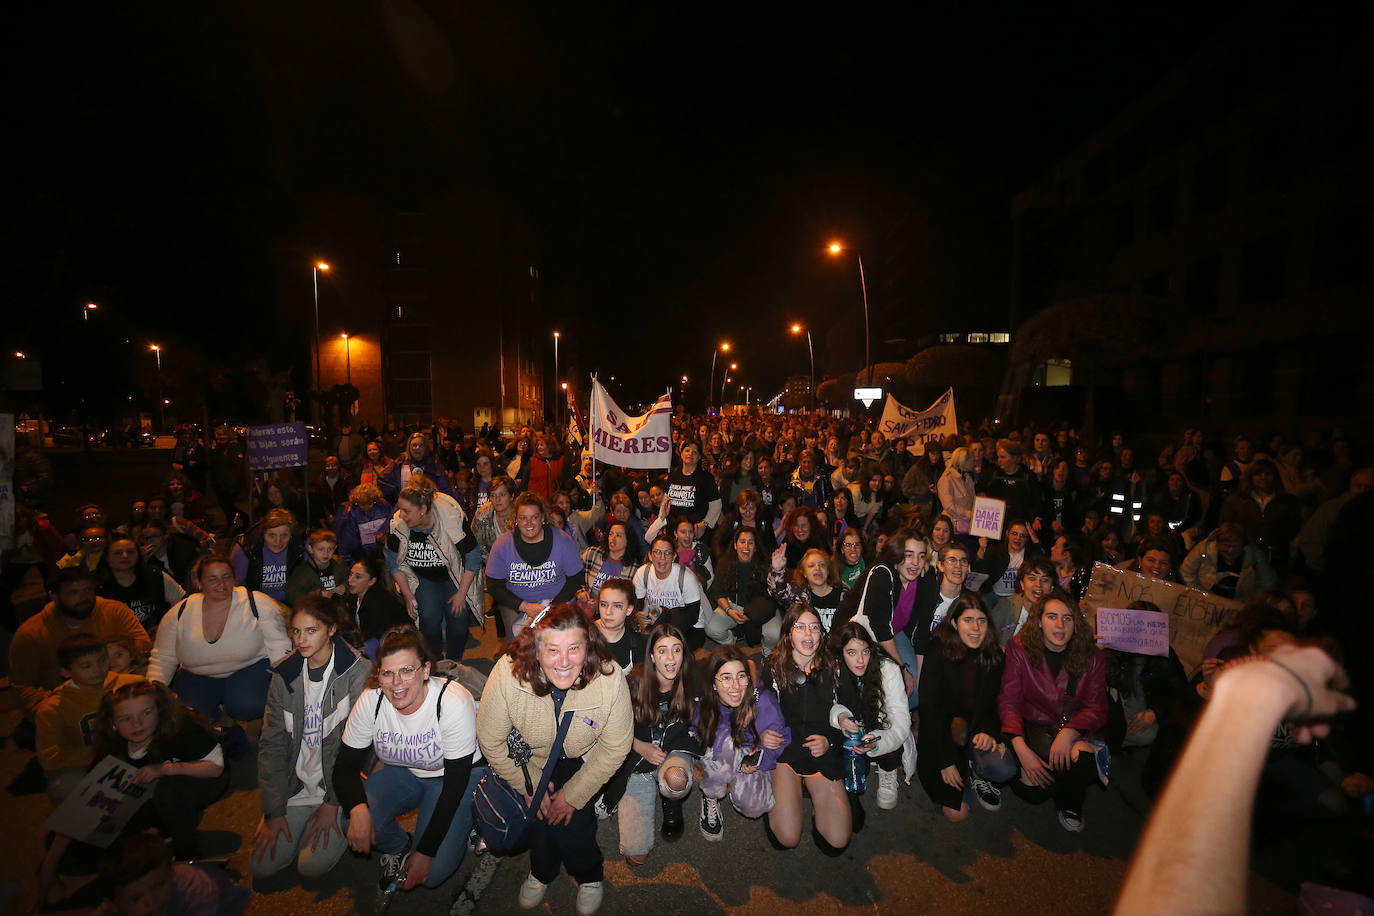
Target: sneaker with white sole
532 893
589 898
712 828
392 863
1072 821
887 789
989 796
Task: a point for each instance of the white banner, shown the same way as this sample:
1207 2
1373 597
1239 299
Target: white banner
931 424
631 442
102 804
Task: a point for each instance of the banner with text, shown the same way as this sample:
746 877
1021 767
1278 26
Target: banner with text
280 445
1141 632
1194 615
932 424
101 805
631 442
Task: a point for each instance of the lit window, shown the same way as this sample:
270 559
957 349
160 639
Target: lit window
398 259
400 312
950 338
1000 337
978 338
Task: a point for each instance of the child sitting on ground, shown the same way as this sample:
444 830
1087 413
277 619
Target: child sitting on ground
140 879
321 573
66 717
125 658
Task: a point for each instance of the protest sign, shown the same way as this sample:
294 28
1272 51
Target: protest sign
1194 615
929 425
631 442
1142 632
101 805
988 517
280 445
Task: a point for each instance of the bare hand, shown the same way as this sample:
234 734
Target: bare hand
360 830
413 607
780 558
417 870
457 604
984 742
1327 682
737 615
698 530
771 739
322 824
1141 721
1033 769
1061 751
655 755
909 680
149 773
749 768
554 809
265 841
952 777
848 723
817 745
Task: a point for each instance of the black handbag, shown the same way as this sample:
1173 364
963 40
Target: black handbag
1040 736
498 810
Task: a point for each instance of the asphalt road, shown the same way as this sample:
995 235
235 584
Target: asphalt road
906 860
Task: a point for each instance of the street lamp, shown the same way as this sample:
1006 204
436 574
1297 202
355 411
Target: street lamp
86 311
835 249
727 381
348 360
723 348
556 335
315 278
161 403
797 329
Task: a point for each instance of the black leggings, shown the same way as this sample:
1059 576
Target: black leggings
1070 787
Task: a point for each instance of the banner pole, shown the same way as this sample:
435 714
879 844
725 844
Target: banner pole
591 440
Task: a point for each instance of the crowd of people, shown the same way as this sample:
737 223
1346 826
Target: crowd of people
795 602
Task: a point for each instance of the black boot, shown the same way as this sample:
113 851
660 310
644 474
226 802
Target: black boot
857 816
672 819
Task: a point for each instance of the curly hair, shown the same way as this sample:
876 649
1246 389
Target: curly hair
524 649
278 518
743 732
989 653
170 715
419 491
870 686
832 576
682 696
789 524
365 494
1082 644
784 667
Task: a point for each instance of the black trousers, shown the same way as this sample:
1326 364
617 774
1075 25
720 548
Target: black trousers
1070 787
554 847
177 805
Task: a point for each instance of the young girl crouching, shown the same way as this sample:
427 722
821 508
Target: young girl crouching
742 730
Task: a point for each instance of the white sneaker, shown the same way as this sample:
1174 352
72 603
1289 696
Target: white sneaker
887 789
589 897
532 893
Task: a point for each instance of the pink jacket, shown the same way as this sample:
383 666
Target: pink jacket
1032 695
956 493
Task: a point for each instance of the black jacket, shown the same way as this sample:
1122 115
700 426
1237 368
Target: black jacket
380 610
944 698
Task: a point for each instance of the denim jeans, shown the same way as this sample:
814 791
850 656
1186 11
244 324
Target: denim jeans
906 654
243 694
445 634
392 791
998 766
635 813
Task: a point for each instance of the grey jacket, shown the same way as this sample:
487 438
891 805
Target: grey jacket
284 723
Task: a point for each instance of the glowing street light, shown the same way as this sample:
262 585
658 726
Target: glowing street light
19 354
315 270
348 359
723 348
557 408
161 407
835 249
86 311
797 329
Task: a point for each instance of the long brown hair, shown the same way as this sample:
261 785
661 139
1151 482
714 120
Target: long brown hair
780 662
1082 644
682 696
524 649
170 715
989 654
743 733
874 713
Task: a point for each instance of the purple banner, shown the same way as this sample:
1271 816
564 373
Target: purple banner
1142 632
282 445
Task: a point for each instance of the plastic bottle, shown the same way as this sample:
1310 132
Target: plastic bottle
855 762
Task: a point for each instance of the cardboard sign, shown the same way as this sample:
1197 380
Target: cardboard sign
281 445
1194 615
100 807
988 517
1142 632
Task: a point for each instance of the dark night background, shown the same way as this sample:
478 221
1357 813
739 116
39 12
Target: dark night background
679 168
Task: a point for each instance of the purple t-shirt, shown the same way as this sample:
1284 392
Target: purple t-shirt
274 574
535 582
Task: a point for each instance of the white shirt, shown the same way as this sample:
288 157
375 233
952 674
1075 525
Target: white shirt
418 741
310 763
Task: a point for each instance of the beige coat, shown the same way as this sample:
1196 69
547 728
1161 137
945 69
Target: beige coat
601 730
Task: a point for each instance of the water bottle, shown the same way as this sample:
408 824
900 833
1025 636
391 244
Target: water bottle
855 762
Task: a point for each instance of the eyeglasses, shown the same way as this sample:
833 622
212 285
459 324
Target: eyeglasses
803 627
400 674
660 553
955 561
742 678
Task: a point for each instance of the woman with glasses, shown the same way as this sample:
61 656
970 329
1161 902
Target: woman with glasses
532 567
671 592
814 583
802 671
742 729
424 733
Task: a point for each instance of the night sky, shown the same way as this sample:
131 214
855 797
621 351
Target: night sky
684 165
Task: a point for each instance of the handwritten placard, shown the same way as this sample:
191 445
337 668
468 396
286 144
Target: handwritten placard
280 445
101 805
1142 632
988 517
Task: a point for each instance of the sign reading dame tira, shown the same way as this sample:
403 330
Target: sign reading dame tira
281 445
101 805
929 425
1141 632
631 442
989 515
1194 615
